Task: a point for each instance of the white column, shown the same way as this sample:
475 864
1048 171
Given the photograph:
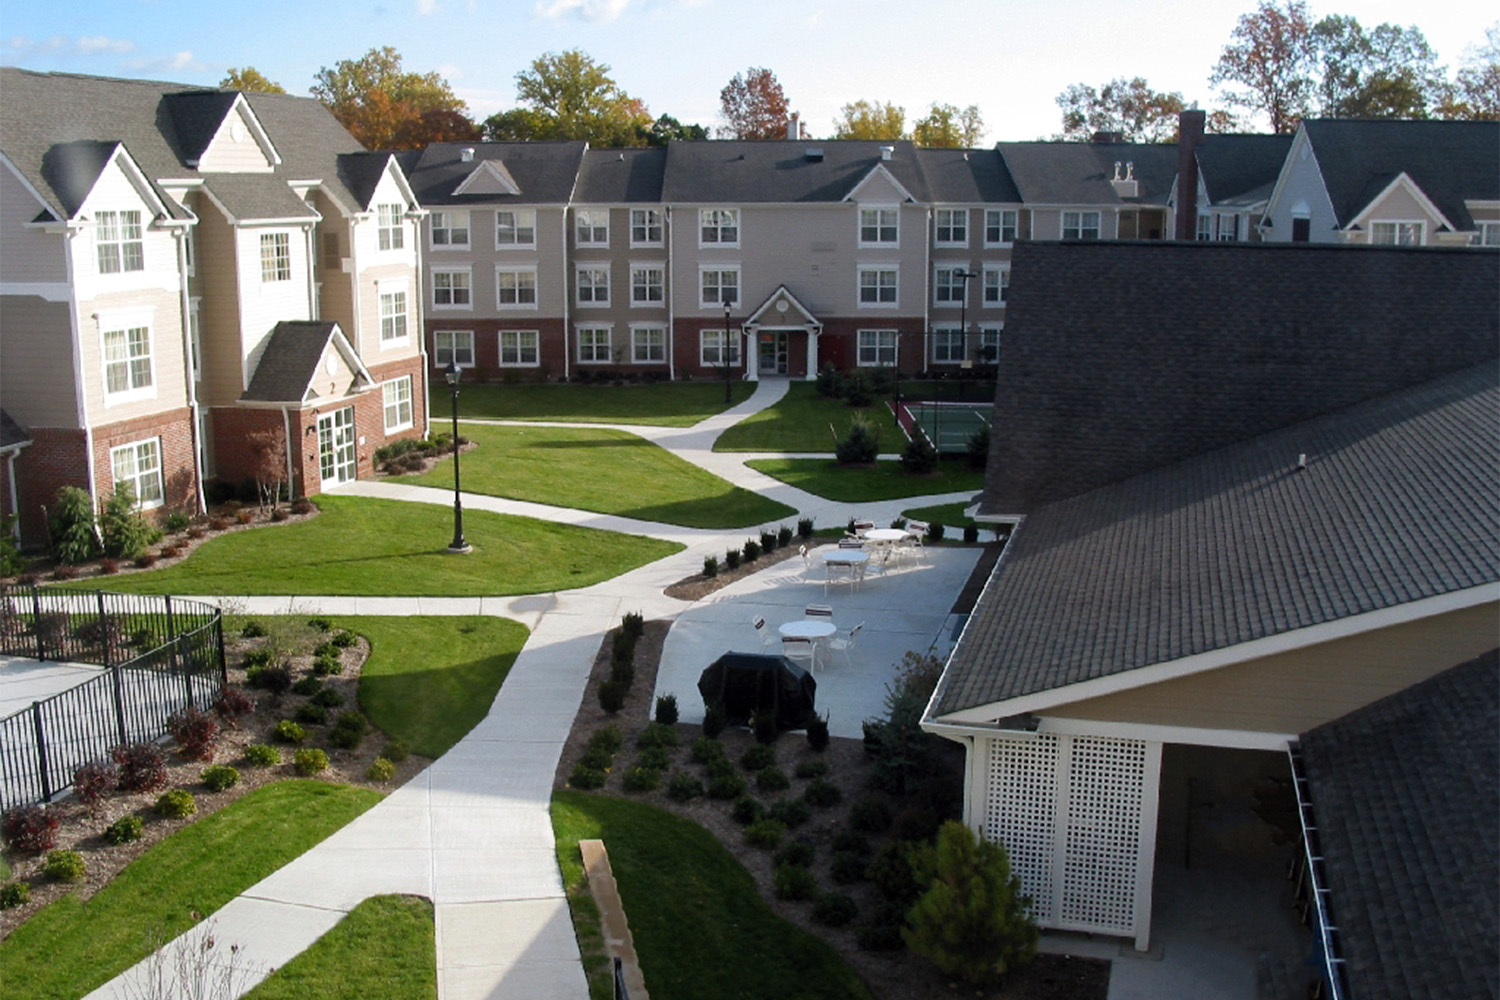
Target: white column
812 354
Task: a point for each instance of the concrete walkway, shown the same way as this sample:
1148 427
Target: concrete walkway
472 832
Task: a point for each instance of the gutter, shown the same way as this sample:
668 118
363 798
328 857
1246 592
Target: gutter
195 434
1332 965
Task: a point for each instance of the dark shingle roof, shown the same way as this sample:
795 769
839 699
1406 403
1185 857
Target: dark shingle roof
1450 161
619 176
967 176
1407 804
782 171
546 172
1079 173
72 169
256 197
362 173
1241 169
195 118
12 434
1399 501
289 361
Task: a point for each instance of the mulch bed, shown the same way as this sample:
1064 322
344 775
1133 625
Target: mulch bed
898 975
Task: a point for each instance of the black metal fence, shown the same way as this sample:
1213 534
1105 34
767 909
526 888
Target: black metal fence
159 655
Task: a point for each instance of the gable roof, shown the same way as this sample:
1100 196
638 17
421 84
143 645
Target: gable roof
12 434
1079 173
620 176
743 172
290 360
1452 162
196 117
1407 806
1241 169
72 169
256 198
545 172
968 176
362 173
1399 502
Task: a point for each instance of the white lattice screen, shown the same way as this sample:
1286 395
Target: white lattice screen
1069 811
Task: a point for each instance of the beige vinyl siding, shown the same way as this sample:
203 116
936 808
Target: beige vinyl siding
219 310
27 254
1295 691
114 192
168 365
337 286
369 345
327 385
36 362
263 304
228 154
1399 205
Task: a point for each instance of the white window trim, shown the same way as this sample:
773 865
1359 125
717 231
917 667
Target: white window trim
591 243
1002 212
608 330
859 230
996 330
437 247
397 231
739 230
739 285
473 358
578 272
536 347
736 347
988 270
411 407
1482 230
261 244
861 270
392 286
195 337
161 479
519 213
636 329
963 287
143 221
465 269
951 331
968 224
660 269
530 269
1080 212
895 347
1421 225
122 321
661 226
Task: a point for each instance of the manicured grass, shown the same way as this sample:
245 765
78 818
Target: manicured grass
430 680
383 950
949 514
361 546
799 422
665 404
700 927
608 471
881 481
71 947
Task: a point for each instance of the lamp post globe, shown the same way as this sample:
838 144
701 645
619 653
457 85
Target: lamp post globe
459 544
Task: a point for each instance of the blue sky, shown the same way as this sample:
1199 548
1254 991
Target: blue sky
1010 57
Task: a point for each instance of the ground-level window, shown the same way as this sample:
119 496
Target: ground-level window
989 345
648 344
397 392
877 347
453 347
711 348
518 349
947 347
593 344
138 466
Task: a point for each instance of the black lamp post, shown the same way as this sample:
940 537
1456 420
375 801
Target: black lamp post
728 386
458 545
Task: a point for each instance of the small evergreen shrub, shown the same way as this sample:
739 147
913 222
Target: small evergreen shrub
683 787
321 624
622 672
751 549
309 761
349 731
822 793
177 522
94 780
870 816
30 829
746 810
277 679
765 727
977 448
74 539
396 752
124 830
817 733
804 528
710 565
656 758
971 534
608 738
310 714
586 778
633 623
935 532
328 698
796 852
124 532
919 457
308 686
598 758
143 768
196 732
287 731
812 768
851 842
327 665
258 658
848 867
253 629
657 734
758 757
794 882
768 542
792 812
262 755
783 536
381 770
641 779
835 909
666 710
772 779
861 445
612 695
343 639
219 777
714 721
732 558
176 803
15 894
765 833
65 866
726 786
706 750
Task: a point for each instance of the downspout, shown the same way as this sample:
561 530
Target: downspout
927 236
310 245
666 222
422 331
15 497
80 396
286 431
566 298
194 434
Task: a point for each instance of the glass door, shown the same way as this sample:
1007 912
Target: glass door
773 352
336 447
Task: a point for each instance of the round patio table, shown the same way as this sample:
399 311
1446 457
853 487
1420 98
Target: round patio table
885 535
807 628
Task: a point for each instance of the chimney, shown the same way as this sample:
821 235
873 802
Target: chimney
1108 137
793 128
1190 126
886 152
466 155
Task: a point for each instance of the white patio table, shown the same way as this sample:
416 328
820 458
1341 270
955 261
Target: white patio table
853 560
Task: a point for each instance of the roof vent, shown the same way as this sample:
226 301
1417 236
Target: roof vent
466 155
886 152
813 154
1301 461
621 159
1125 185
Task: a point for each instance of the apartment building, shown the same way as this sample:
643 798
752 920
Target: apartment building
188 276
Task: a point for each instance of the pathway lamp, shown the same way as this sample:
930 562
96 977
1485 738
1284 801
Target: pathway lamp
458 545
724 348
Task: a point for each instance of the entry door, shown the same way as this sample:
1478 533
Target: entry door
336 447
773 352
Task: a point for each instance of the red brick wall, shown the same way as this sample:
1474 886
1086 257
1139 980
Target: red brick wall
57 457
174 429
685 350
839 342
552 348
232 427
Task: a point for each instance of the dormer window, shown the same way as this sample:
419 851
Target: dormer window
391 227
118 238
877 227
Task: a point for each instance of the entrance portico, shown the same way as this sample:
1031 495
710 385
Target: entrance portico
785 337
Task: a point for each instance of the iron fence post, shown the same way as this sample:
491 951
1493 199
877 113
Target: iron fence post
223 658
119 693
41 750
36 623
104 628
171 632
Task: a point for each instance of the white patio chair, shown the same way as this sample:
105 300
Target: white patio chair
916 531
818 611
766 635
798 648
851 543
860 527
844 644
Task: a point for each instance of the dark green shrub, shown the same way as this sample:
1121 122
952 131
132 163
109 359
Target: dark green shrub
396 752
746 810
343 639
71 520
732 558
794 882
834 909
758 757
177 522
683 787
633 623
597 758
325 648
328 698
893 877
848 867
176 803
862 444
828 381
349 731
851 842
768 542
94 780
124 830
263 755
287 731
817 733
608 738
329 664
765 833
804 528
971 534
310 714
857 390
916 823
722 767
124 532
935 532
710 565
919 457
765 727
796 852
811 768
586 778
380 770
656 758
783 536
706 751
622 672
879 937
772 779
641 779
751 550
822 793
622 647
15 894
792 812
143 767
309 761
657 734
276 680
219 777
870 816
321 624
308 686
977 448
30 829
258 658
252 629
726 786
65 866
882 380
714 721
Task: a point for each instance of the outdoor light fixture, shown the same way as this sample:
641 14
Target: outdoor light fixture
458 545
724 349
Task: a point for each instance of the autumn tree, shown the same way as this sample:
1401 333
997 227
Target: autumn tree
268 464
870 120
251 79
754 106
668 129
948 126
568 95
1385 72
384 106
1476 96
1271 57
1129 107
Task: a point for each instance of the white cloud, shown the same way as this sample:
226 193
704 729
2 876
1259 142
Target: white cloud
450 72
98 43
175 63
21 46
425 7
598 11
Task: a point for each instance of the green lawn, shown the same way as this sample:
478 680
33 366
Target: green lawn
665 404
361 546
700 927
949 514
608 471
881 481
383 950
71 947
429 680
799 422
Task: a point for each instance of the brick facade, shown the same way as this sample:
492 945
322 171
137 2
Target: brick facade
552 348
56 457
174 432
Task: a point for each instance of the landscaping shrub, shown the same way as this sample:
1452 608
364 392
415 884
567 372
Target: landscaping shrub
124 830
822 793
828 381
905 757
343 639
321 624
732 558
310 714
309 761
714 721
746 810
612 695
919 457
857 391
772 779
622 672
30 829
710 565
65 866
916 823
608 738
258 658
794 882
971 534
977 448
586 778
895 882
768 542
277 680
796 852
325 648
177 522
176 803
765 833
835 909
758 757
684 787
381 770
219 777
862 444
232 703
706 750
308 686
935 532
287 731
143 768
848 867
328 698
811 768
792 812
302 505
328 664
804 528
622 647
349 731
633 623
262 755
765 727
726 786
641 779
244 516
783 536
64 571
656 758
219 523
870 816
817 733
94 780
15 894
74 539
851 841
195 731
597 758
657 735
396 752
108 566
750 550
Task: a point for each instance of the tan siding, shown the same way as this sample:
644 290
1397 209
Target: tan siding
1295 691
167 353
226 155
26 254
1400 206
219 315
326 385
36 362
368 343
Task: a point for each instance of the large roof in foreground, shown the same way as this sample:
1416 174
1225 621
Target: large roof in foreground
1399 501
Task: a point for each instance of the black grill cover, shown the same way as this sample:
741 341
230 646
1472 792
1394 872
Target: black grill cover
746 683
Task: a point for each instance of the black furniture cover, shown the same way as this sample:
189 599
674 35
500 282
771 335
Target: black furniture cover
744 683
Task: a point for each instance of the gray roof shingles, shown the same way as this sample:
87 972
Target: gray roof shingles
1407 804
620 176
1399 502
544 171
289 361
256 197
1241 169
1079 173
736 172
968 176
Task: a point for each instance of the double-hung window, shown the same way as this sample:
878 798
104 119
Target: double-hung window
1000 226
647 285
876 347
392 228
718 286
878 227
392 311
1488 235
127 363
711 350
591 227
515 287
138 466
1205 231
1229 228
117 236
397 398
450 230
518 349
515 229
948 286
450 289
877 286
996 285
275 257
952 227
645 227
593 344
648 345
1080 225
719 227
947 347
989 345
593 286
453 347
1401 234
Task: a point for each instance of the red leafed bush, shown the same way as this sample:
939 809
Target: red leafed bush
30 829
143 767
195 731
232 703
94 780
